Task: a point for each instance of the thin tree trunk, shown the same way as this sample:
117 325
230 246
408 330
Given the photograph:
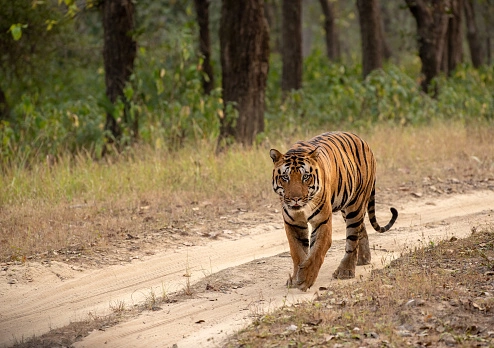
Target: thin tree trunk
385 27
244 44
453 52
371 35
271 12
489 53
432 24
476 53
119 52
202 10
4 107
486 7
331 30
292 45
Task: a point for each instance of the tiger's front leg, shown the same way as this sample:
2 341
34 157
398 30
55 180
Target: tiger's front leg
320 243
298 240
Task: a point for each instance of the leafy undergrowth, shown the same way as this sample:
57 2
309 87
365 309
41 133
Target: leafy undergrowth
438 296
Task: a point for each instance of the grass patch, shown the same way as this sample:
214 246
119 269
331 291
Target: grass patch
439 296
76 206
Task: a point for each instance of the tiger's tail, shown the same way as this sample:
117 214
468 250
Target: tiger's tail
371 210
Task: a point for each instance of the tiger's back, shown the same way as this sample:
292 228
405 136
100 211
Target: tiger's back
347 158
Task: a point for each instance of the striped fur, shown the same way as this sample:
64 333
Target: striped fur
315 178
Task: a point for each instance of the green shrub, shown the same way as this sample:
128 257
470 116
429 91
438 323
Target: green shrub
165 95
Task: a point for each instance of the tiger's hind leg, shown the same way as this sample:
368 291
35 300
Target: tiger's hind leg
356 236
363 252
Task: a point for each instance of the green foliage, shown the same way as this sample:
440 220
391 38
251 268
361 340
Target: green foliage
16 30
31 33
50 130
167 92
334 96
468 94
57 96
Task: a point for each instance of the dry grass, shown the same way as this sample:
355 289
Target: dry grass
78 207
98 213
439 296
441 151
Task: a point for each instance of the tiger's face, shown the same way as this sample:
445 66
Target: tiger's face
295 177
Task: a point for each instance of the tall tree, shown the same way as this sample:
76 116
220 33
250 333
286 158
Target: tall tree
244 45
473 39
432 24
119 52
371 33
4 106
202 11
331 30
488 14
272 13
453 50
292 45
385 27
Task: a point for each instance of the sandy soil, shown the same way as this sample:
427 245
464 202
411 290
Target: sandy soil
231 280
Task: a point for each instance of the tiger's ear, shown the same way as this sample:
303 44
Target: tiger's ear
275 155
314 154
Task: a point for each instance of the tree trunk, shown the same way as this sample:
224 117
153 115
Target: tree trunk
292 45
385 27
332 38
476 53
432 24
487 7
371 33
119 52
244 44
489 53
273 16
453 52
4 107
202 10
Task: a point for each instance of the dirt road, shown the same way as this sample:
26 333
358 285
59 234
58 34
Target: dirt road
245 278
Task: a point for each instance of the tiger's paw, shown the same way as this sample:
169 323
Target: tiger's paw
363 259
342 273
307 275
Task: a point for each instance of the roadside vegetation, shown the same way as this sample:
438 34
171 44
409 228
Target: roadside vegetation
55 195
440 295
58 202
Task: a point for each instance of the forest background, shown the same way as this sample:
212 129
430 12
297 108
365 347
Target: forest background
55 58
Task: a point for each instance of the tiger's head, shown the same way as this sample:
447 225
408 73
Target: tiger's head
295 176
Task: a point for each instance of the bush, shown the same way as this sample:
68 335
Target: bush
165 95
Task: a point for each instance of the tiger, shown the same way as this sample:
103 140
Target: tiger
334 171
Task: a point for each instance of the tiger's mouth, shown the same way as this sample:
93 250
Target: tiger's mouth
295 205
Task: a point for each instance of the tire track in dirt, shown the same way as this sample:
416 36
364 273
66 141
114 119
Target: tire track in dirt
47 302
37 307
